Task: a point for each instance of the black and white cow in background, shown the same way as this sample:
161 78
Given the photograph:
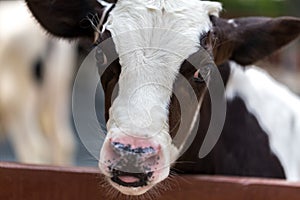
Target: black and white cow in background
262 126
36 75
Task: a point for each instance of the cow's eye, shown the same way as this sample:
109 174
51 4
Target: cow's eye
202 74
205 40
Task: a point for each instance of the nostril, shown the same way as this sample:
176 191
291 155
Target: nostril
120 148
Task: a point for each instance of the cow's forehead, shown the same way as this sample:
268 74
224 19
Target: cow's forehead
168 26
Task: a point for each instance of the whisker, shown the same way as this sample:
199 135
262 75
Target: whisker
91 18
215 43
184 162
176 169
184 179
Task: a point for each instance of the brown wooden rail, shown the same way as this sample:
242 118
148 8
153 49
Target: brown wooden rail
31 182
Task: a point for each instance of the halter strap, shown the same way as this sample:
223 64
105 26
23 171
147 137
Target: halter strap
107 8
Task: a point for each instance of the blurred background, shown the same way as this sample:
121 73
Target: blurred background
37 74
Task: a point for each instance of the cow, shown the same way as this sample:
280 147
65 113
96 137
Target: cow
162 45
35 83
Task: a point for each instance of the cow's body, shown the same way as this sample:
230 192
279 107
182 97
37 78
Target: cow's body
277 110
35 83
160 47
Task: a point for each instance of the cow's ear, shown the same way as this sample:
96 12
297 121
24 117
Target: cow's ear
247 40
66 18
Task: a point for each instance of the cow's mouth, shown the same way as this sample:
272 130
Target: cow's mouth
131 179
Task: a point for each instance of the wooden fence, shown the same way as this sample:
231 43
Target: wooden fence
31 182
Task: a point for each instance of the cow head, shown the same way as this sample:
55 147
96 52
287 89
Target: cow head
161 45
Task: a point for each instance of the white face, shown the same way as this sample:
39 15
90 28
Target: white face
152 38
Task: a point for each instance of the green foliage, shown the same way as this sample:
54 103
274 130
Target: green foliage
255 7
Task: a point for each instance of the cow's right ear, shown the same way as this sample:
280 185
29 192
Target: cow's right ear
67 18
247 40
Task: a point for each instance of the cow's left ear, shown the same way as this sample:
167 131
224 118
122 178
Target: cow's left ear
66 18
247 40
